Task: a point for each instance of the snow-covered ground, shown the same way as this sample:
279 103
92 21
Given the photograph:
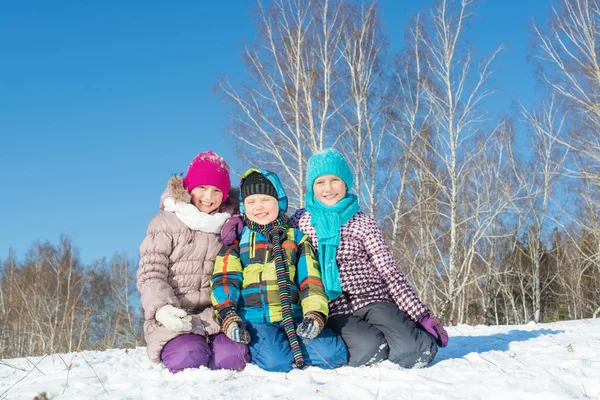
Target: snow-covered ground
544 361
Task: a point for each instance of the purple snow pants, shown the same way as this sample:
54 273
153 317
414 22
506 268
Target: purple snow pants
192 351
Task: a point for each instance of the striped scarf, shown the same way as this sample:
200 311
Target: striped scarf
275 233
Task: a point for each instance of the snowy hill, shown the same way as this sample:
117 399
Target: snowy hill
544 361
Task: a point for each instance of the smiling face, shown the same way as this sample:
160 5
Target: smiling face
207 198
261 208
329 189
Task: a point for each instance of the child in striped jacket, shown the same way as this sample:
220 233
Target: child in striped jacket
267 288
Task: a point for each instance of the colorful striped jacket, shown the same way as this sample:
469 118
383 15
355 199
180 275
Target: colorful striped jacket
244 277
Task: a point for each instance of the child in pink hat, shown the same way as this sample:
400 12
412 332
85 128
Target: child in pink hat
210 169
176 263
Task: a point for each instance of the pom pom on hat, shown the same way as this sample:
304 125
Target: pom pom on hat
328 161
208 168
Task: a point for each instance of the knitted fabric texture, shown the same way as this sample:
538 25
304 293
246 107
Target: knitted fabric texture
275 231
328 161
256 183
312 325
274 179
327 221
208 168
367 269
230 319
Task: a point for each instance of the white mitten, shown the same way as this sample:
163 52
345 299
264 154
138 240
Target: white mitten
174 319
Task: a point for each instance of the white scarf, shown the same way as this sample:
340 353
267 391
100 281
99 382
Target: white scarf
194 218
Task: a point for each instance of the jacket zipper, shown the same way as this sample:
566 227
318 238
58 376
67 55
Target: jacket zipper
263 296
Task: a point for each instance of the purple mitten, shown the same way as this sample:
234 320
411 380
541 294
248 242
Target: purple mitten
435 329
231 229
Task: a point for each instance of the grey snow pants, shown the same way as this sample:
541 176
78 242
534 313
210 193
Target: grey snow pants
380 331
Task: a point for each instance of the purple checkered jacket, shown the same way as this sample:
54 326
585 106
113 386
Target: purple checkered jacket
367 269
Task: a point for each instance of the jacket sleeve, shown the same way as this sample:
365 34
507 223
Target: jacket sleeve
399 289
153 269
295 219
227 277
310 285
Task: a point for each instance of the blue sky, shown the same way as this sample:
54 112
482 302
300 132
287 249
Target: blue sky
101 101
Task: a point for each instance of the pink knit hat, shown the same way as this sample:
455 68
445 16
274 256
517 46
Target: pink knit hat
208 168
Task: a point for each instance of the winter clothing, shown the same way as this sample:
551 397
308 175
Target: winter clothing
271 276
366 344
327 221
275 231
186 351
373 307
256 183
194 218
281 197
193 351
176 263
325 162
404 342
257 299
370 280
271 351
208 168
233 326
367 269
312 325
232 229
259 295
174 319
227 354
435 329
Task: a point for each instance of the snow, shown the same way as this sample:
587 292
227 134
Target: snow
211 158
535 361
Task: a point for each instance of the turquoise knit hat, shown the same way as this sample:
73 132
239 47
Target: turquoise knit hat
328 161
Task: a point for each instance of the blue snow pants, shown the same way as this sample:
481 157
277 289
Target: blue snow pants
270 349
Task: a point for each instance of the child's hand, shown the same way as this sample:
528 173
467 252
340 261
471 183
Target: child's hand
435 329
174 319
234 328
312 325
232 229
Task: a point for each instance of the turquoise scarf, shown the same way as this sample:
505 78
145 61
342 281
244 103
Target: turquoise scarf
327 221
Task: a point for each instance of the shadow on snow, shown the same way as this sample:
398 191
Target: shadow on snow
460 346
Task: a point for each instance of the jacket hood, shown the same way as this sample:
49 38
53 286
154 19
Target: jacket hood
274 179
178 192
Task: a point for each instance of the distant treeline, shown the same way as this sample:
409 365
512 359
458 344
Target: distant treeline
52 303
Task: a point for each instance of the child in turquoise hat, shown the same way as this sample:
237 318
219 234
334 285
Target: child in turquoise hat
371 304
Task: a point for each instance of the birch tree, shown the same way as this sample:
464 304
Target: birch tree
455 92
364 114
284 110
567 53
542 179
